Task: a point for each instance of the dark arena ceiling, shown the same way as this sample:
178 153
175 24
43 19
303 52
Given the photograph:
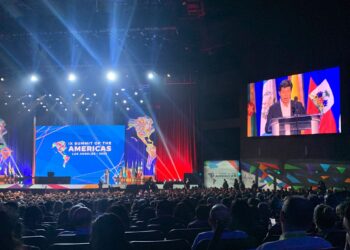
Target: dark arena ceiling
220 45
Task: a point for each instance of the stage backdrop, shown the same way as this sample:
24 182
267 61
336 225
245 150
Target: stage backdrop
82 152
176 147
216 171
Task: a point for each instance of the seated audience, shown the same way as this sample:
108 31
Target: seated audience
81 220
108 233
324 219
201 220
219 220
346 222
7 227
296 219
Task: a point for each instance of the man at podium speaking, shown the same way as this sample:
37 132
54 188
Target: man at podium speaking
285 107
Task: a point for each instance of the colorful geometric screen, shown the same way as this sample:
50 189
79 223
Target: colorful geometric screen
216 171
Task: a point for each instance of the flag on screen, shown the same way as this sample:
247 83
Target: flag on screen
298 87
269 98
320 101
251 112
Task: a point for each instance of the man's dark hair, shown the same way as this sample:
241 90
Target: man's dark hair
324 217
285 84
202 212
298 212
164 207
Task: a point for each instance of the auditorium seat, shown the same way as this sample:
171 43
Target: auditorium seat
70 246
336 238
27 247
41 231
71 238
237 244
28 232
188 234
154 227
333 248
270 238
161 245
144 235
37 241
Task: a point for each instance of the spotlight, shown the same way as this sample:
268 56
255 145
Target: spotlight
61 103
34 78
65 109
41 103
115 102
2 79
9 96
111 76
47 110
73 95
141 101
30 96
86 109
168 75
28 110
5 103
150 75
57 99
117 93
50 95
124 101
127 108
122 89
94 94
23 103
136 93
72 77
83 102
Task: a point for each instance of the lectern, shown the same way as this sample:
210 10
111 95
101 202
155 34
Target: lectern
295 124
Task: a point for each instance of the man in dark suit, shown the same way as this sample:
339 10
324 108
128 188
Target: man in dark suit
285 107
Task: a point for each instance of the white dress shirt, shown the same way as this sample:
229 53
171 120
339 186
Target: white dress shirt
286 110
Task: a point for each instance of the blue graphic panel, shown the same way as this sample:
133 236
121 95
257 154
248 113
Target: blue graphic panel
82 152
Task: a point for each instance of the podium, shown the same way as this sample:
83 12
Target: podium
295 124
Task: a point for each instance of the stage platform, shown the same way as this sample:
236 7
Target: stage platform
4 187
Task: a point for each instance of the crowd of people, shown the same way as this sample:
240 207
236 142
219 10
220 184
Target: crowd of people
281 219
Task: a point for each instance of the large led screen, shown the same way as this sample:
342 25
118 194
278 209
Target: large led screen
83 153
298 104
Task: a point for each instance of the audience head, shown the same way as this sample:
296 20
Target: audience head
183 212
7 228
82 218
219 216
346 219
202 212
324 217
164 207
32 217
108 233
147 213
296 214
121 212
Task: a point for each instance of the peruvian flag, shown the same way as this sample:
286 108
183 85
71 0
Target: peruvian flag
320 100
